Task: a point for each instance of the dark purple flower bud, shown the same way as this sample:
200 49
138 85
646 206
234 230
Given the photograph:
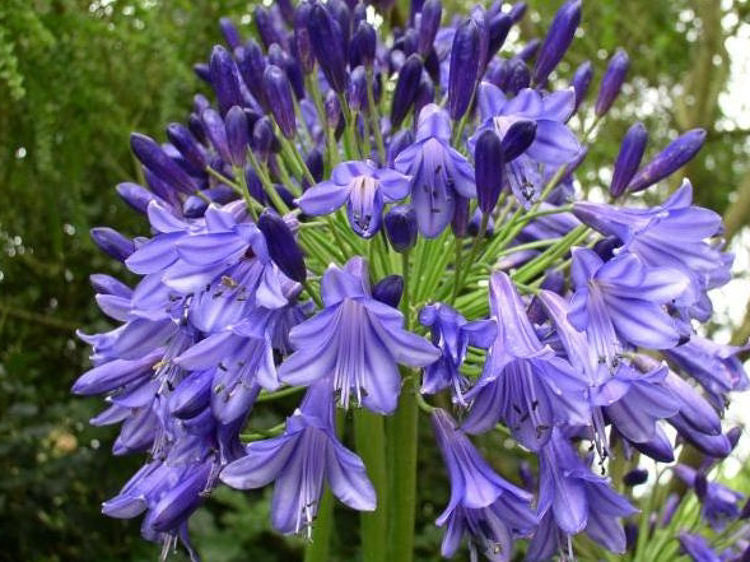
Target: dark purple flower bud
464 67
286 196
200 102
155 159
406 89
254 186
401 227
677 153
252 64
530 50
302 37
359 14
518 76
287 11
279 94
581 81
195 125
733 436
635 477
432 12
231 35
340 13
263 137
631 535
629 158
605 248
363 45
112 242
195 206
316 165
612 82
517 11
266 26
700 483
518 138
184 141
425 94
216 133
489 170
498 72
500 25
408 43
136 196
203 72
478 16
282 247
460 220
333 110
237 135
288 64
558 39
399 142
358 89
225 79
415 7
432 66
326 41
389 290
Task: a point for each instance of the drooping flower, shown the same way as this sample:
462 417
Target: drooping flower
439 172
452 334
719 504
300 461
364 188
524 383
482 504
356 342
573 499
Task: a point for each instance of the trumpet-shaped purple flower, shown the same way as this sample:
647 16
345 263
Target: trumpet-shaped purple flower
719 504
715 366
482 504
554 144
357 340
300 461
439 172
364 188
573 499
524 383
672 235
452 334
623 300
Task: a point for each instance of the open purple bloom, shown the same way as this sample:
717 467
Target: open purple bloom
482 504
524 384
623 300
674 235
364 188
719 504
357 341
439 172
573 499
300 461
554 144
715 366
452 334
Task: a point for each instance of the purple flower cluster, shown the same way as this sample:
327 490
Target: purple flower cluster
557 320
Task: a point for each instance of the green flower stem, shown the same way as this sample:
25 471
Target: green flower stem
374 114
369 437
265 180
266 396
249 202
351 146
542 262
312 294
461 279
332 151
402 469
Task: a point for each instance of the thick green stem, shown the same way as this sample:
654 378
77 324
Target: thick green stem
370 441
402 481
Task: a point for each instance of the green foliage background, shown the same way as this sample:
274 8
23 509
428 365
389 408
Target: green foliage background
75 78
